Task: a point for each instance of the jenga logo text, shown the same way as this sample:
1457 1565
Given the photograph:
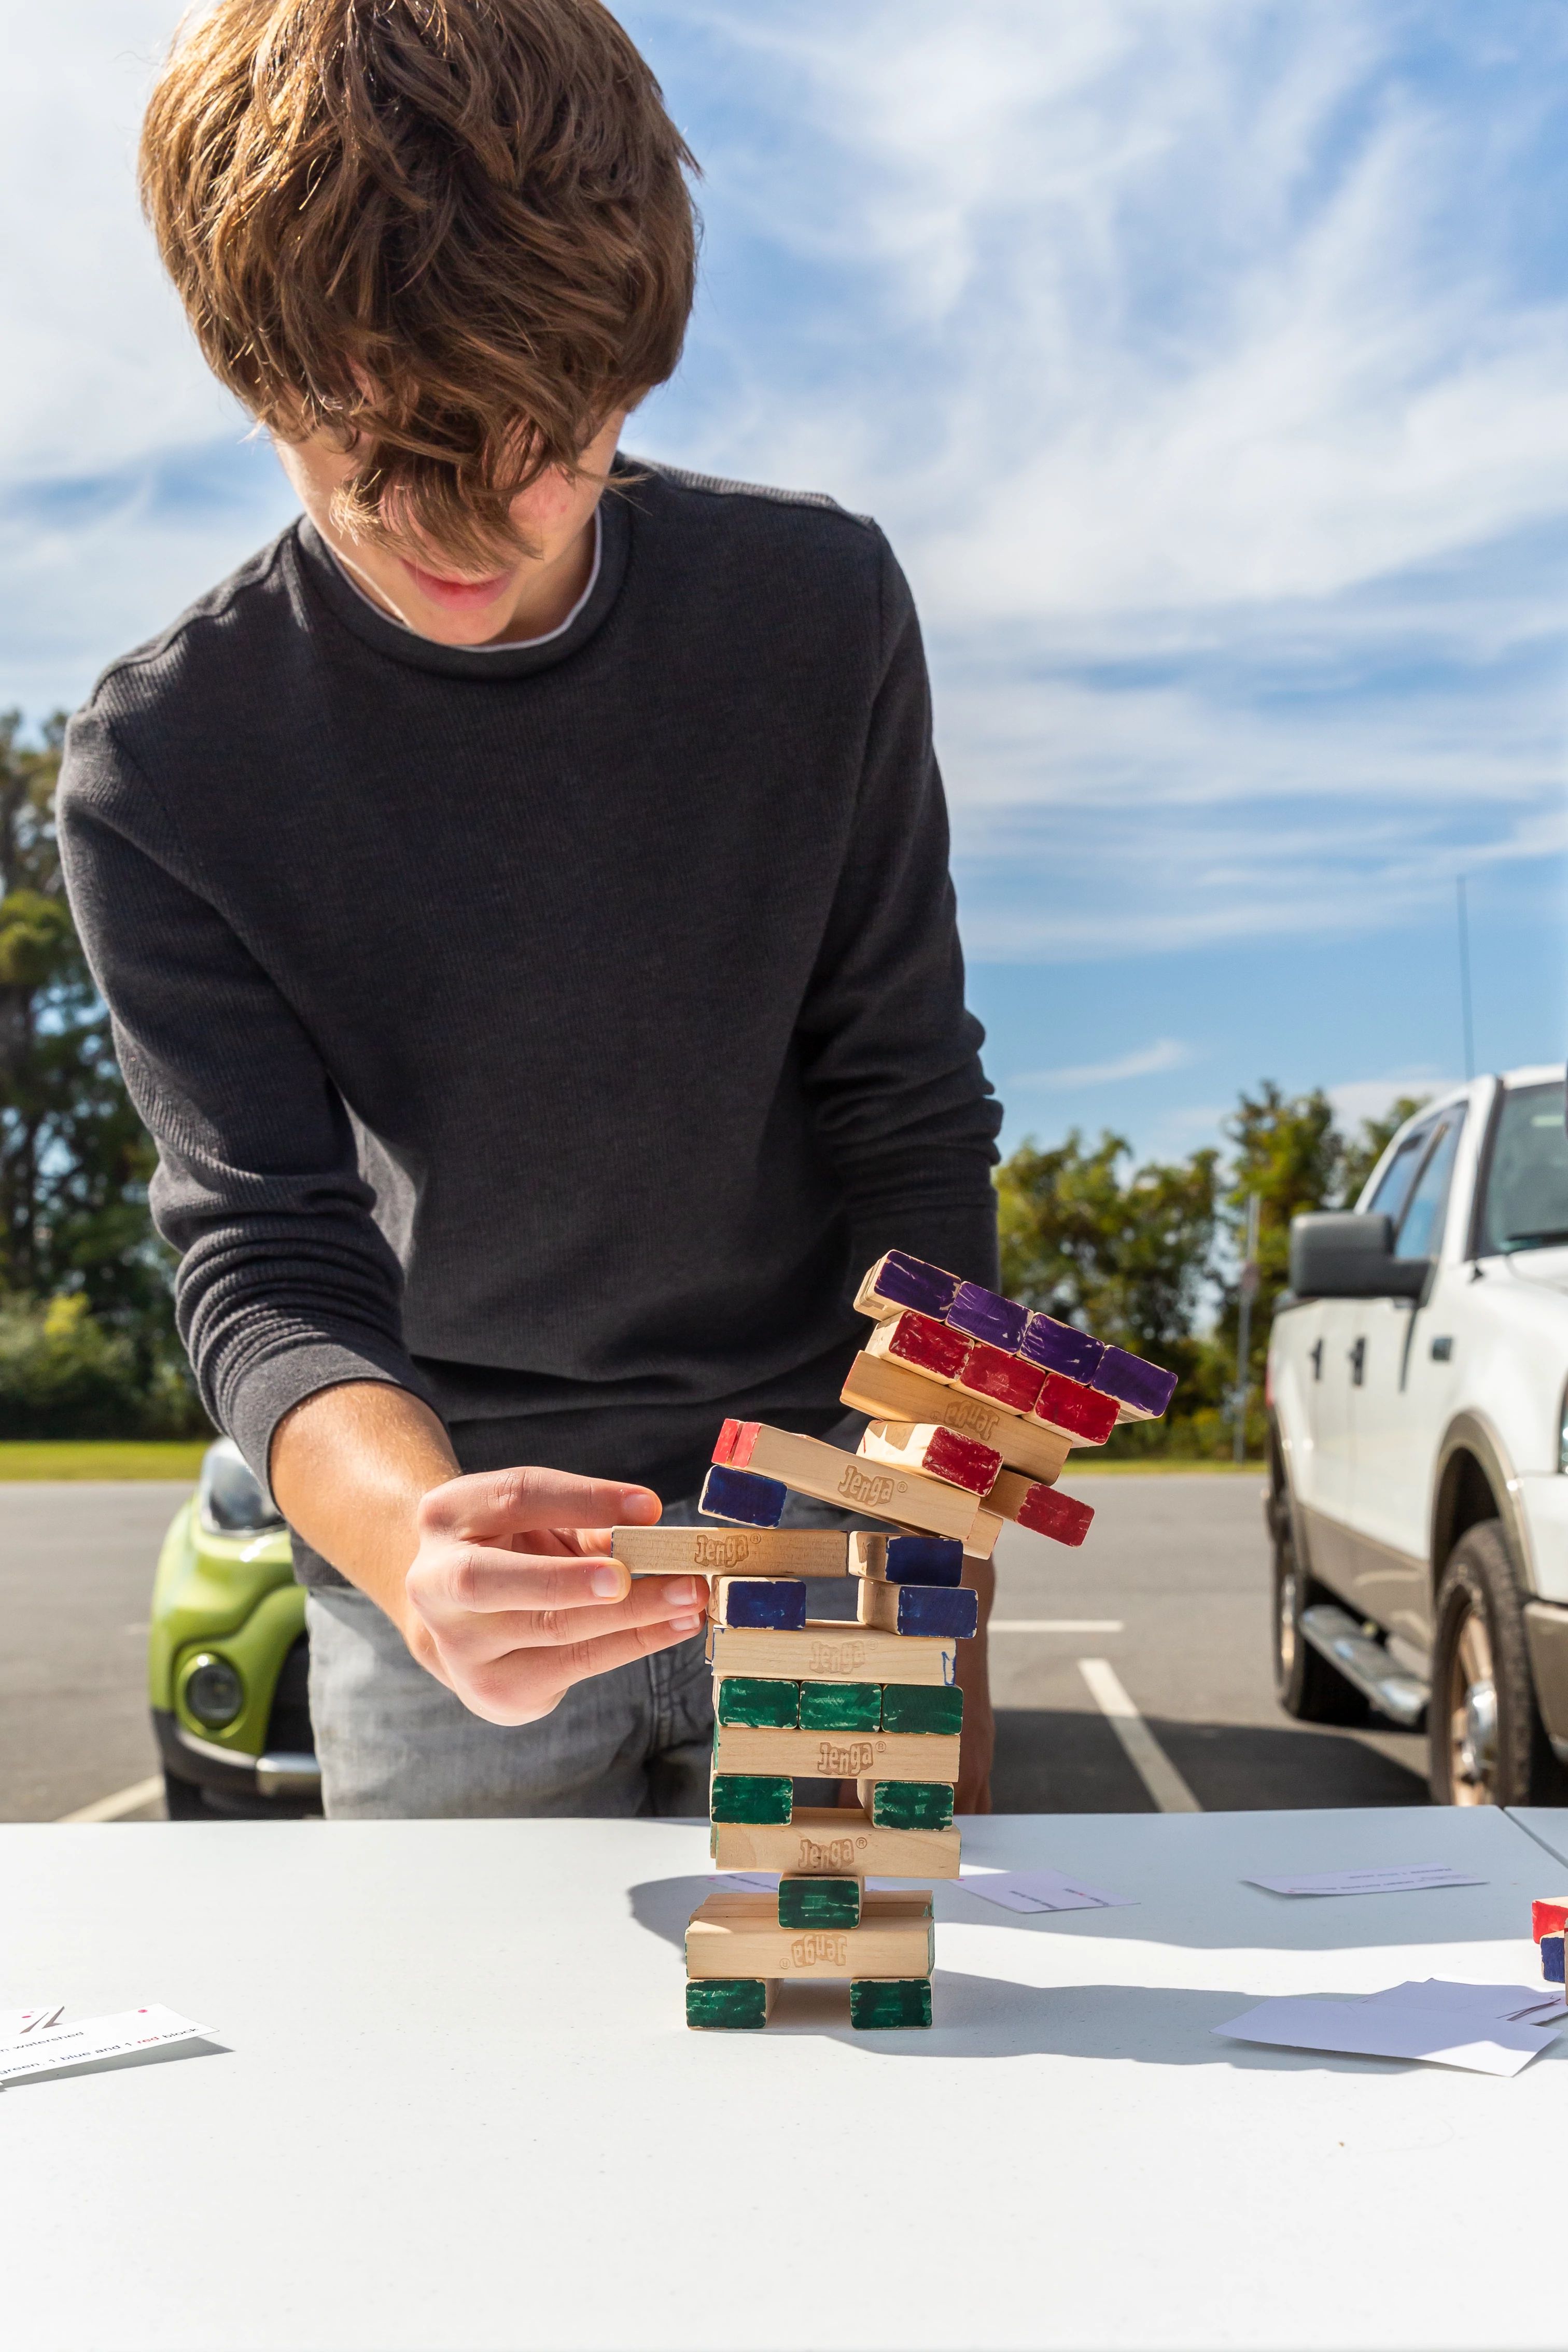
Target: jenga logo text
960 1412
721 1552
836 1657
808 1949
871 1491
853 1756
836 1853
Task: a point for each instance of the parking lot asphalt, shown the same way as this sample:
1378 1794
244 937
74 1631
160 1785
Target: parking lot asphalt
1165 1607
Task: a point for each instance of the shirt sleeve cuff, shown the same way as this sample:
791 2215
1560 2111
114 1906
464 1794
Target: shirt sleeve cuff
267 1390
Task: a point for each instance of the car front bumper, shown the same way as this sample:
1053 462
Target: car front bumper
278 1777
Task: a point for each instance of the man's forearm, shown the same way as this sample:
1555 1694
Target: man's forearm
350 1467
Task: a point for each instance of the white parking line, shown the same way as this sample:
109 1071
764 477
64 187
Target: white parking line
1054 1625
1144 1753
124 1802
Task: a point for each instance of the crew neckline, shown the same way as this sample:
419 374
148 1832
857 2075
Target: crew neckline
326 576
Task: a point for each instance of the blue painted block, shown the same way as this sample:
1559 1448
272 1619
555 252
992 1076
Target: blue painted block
742 1496
925 1559
984 1315
774 1603
1144 1386
1552 1958
1061 1348
939 1609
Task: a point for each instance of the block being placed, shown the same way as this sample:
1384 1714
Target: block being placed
756 1700
820 1902
880 2004
732 2002
934 1452
1046 1510
922 1345
836 1841
824 1651
1548 1919
919 1609
919 1707
833 1755
734 1935
908 1804
737 1494
1007 1379
810 1468
841 1707
895 1391
1143 1389
749 1797
1060 1347
772 1603
898 1281
1551 1966
906 1559
731 1551
986 1314
1076 1412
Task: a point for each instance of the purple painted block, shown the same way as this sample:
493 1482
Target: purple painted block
1135 1383
984 1315
742 1497
1061 1348
904 1281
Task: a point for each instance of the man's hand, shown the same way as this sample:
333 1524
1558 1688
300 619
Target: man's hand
513 1596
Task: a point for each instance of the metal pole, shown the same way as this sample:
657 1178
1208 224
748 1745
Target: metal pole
1243 1326
1465 983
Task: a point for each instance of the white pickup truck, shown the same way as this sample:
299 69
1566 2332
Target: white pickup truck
1417 1398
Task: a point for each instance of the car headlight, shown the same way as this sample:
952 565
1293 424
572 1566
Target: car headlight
213 1692
229 1500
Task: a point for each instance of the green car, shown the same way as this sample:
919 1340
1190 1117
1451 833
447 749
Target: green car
227 1661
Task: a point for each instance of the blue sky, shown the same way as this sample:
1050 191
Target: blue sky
1207 363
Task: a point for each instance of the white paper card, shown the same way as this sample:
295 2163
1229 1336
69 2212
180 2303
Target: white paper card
1476 2027
1372 1882
1040 1890
75 2044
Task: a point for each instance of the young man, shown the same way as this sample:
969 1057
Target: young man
522 893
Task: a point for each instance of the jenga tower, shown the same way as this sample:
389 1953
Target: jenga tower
977 1404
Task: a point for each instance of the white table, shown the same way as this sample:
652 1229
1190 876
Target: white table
459 2105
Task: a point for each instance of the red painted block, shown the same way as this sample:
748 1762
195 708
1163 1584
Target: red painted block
736 1440
916 1340
1079 1412
962 1462
1051 1513
1548 1919
1007 1379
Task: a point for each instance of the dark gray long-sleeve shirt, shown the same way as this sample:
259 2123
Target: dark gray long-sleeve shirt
555 1030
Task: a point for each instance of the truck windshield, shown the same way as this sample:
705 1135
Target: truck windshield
1526 1204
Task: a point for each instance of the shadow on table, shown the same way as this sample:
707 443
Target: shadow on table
1061 1762
121 2063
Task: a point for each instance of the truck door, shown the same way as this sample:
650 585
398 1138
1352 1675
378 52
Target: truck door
1407 1373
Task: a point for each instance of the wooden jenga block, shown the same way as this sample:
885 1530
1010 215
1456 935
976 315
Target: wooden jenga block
833 1755
906 1559
986 1315
810 1468
820 1902
770 1604
750 1501
1548 1919
890 1390
919 1609
836 1841
980 1540
757 1700
924 1346
934 1452
1007 1379
824 1651
750 1797
1552 1957
919 1707
1046 1510
841 1707
731 1551
1060 1347
1076 1412
739 1936
880 2004
1141 1389
732 2003
907 1805
897 1280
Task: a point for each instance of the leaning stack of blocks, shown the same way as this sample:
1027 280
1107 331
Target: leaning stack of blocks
975 1405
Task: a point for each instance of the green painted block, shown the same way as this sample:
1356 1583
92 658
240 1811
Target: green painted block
766 1705
911 1804
841 1707
753 1797
733 2001
921 1706
819 1903
889 2002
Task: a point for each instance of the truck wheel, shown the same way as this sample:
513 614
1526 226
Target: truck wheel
1305 1684
1489 1745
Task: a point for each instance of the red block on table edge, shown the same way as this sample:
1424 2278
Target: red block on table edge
1083 1412
928 1347
1006 1380
1046 1511
1548 1919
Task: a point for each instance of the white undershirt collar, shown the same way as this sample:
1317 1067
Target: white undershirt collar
512 645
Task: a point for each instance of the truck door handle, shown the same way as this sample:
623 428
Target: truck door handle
1316 1353
1358 1363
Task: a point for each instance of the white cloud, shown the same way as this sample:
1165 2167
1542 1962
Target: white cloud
1144 1062
1357 1099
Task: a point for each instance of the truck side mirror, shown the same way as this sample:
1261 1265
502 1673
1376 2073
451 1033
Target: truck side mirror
1338 1253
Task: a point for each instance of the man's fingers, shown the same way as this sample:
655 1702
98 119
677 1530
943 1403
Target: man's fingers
475 1580
653 1600
495 1503
524 1684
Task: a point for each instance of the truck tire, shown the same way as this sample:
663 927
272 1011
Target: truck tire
1488 1743
1305 1684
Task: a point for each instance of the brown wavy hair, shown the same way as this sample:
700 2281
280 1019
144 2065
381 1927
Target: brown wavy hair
454 234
